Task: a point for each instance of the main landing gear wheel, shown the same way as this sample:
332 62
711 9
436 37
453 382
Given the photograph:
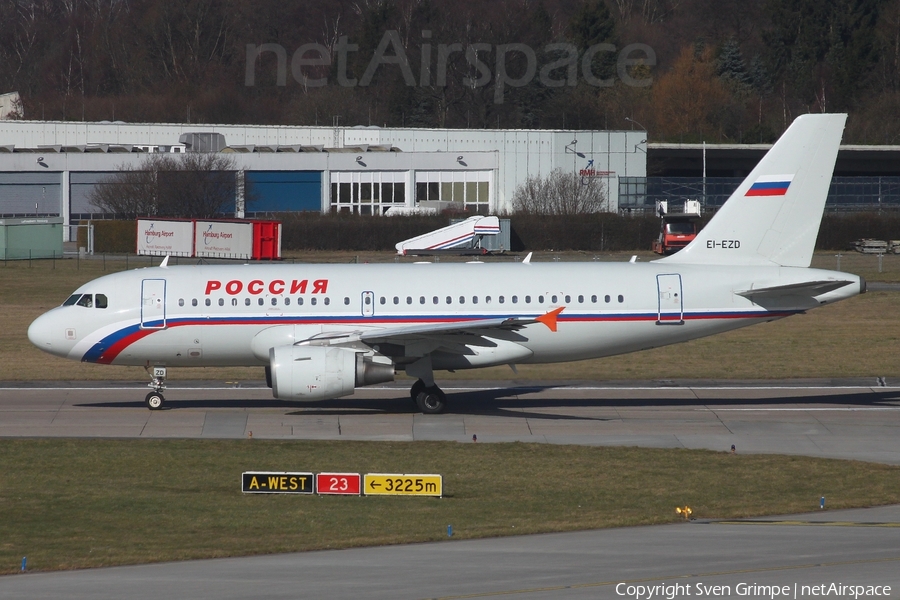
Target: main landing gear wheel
416 389
155 400
431 401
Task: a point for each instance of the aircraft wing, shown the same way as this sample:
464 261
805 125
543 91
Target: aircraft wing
421 339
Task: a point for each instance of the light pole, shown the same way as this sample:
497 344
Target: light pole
570 149
633 123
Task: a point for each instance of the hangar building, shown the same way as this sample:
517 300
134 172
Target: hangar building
50 168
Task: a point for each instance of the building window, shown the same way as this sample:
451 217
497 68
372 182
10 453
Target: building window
469 190
365 193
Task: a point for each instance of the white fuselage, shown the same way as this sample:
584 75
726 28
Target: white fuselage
210 315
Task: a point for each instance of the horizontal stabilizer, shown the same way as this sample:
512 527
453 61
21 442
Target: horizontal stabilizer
809 289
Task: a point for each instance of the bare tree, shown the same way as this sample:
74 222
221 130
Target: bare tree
191 185
560 193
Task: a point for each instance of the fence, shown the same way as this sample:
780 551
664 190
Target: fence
640 194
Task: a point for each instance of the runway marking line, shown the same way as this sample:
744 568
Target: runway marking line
838 409
809 523
494 388
576 586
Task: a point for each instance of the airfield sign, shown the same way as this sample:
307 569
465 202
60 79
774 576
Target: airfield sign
388 484
343 484
272 482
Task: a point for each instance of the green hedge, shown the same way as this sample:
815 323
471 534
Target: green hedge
838 230
590 233
113 237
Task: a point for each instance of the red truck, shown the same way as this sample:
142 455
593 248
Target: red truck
677 230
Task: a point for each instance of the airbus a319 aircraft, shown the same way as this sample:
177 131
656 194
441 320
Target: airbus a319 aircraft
322 330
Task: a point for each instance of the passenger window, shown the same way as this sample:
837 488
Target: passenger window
553 298
462 299
71 300
409 299
474 299
382 301
434 300
287 301
606 298
181 302
396 300
100 301
87 301
449 300
208 302
487 299
347 301
501 299
580 299
621 298
299 301
221 301
515 299
527 299
260 301
541 299
327 300
421 299
594 298
274 301
246 301
312 301
194 302
234 301
569 299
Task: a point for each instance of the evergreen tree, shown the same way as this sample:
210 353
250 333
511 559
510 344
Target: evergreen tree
592 24
731 64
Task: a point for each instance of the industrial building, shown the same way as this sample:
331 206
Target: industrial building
50 168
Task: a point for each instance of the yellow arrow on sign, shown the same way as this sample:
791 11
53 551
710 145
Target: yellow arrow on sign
389 484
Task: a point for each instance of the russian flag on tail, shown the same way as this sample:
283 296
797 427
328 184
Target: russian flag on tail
770 185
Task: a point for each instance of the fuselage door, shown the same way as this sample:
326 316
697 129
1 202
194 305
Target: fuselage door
671 305
368 304
153 304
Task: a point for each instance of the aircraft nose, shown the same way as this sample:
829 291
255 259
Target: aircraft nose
41 334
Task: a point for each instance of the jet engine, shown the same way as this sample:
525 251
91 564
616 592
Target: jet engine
321 372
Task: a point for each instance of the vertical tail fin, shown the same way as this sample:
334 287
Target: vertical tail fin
774 215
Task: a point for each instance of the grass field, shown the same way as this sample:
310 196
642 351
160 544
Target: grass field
87 503
856 338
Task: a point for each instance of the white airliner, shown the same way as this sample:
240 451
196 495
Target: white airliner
321 330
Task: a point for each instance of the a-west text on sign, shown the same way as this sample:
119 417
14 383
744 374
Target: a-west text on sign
388 484
275 482
337 483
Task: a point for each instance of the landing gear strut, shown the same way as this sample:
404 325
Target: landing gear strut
430 400
155 400
427 396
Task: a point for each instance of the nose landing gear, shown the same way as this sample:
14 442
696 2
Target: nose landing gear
155 400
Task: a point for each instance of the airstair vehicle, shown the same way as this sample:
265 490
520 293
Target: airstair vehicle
463 237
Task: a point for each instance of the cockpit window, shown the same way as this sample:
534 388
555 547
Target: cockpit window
87 301
71 299
100 301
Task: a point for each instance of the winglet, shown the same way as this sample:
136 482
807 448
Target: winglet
549 319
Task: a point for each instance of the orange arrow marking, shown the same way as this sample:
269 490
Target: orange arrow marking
549 319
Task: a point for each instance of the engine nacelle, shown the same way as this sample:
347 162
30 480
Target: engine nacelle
323 372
